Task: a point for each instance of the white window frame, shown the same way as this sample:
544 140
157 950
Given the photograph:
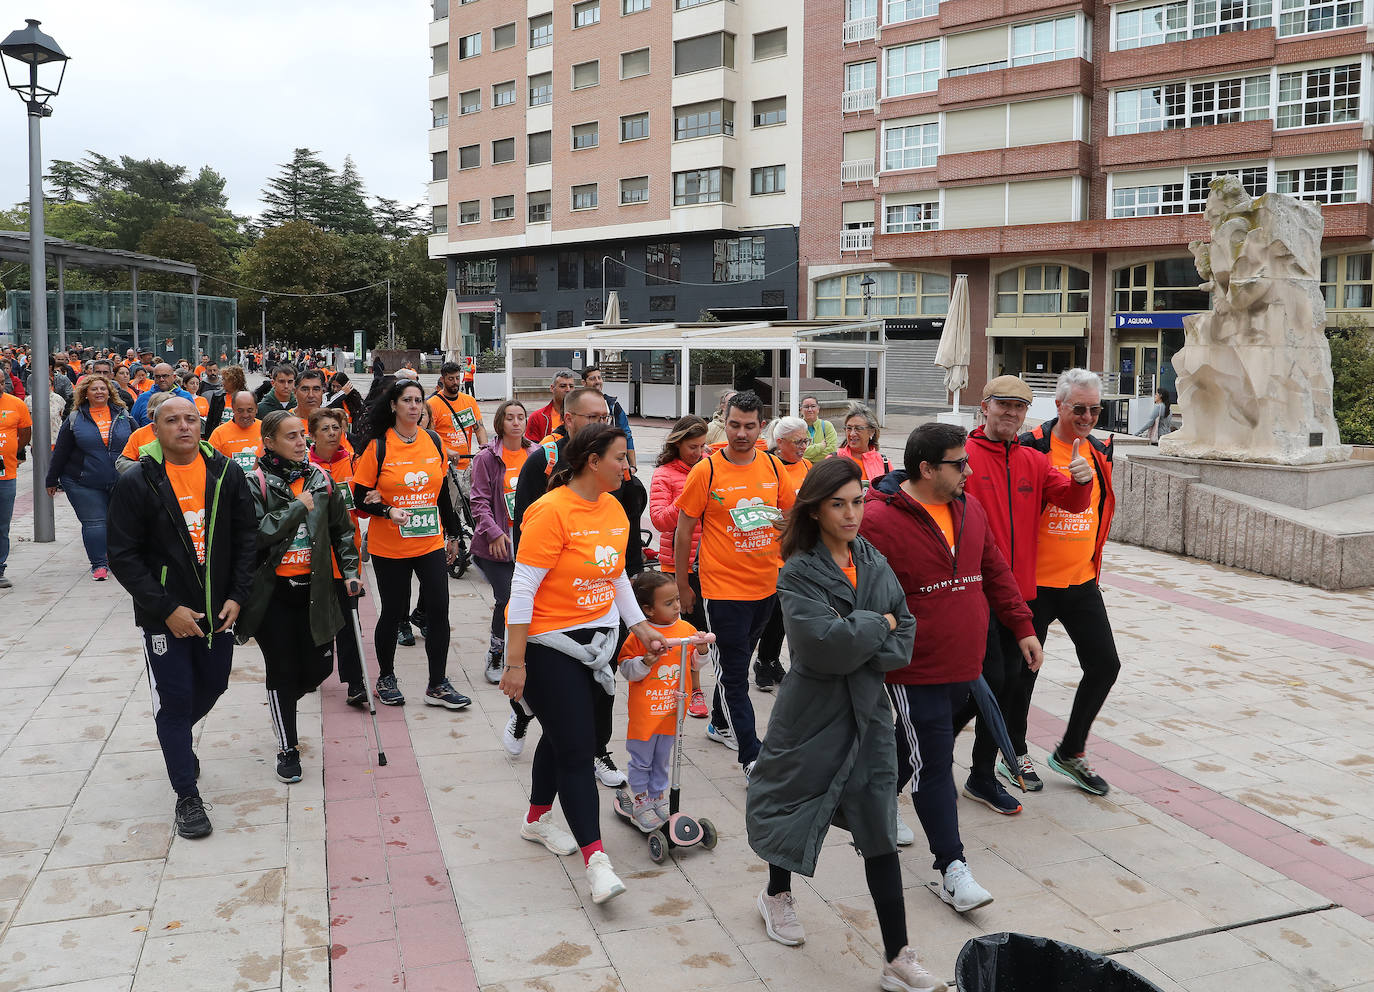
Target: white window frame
1330 109
464 108
573 195
898 11
627 117
497 91
1190 20
595 134
1038 54
1147 201
1196 204
586 7
475 216
546 91
474 48
925 74
636 75
1321 183
586 86
1176 103
634 200
924 147
1296 16
504 161
778 180
494 208
912 217
628 7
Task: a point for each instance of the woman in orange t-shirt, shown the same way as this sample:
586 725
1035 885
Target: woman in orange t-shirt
192 385
569 593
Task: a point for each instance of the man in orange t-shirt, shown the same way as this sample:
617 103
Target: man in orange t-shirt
457 418
16 430
737 495
240 440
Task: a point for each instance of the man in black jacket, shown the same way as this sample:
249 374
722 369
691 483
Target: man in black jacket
182 536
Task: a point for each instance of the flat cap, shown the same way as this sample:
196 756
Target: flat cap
1007 387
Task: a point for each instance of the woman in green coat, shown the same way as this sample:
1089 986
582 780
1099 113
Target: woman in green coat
830 755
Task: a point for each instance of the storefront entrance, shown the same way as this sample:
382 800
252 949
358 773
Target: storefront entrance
1051 359
1138 366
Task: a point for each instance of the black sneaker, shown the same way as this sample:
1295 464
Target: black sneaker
990 793
197 761
191 819
763 676
421 625
356 695
289 765
445 695
404 636
388 693
1082 773
778 672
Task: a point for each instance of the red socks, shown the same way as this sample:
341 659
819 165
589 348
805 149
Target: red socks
589 850
536 812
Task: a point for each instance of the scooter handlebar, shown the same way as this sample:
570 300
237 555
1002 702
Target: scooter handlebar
697 639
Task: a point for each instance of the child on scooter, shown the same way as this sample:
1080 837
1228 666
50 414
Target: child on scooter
654 688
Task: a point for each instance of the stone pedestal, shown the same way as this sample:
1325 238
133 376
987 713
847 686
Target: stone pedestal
1301 486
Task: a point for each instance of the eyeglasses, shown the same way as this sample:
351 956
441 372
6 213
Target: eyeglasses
959 463
1079 409
594 418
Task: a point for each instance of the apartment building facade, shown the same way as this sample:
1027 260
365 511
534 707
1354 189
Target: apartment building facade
651 147
1059 154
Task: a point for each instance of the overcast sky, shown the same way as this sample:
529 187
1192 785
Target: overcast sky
236 86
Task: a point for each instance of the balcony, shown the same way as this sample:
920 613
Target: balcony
860 29
856 101
856 240
1215 141
856 170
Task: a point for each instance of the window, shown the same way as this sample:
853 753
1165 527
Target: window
707 51
569 263
469 46
586 135
896 294
613 268
565 318
439 220
662 304
634 126
470 212
1190 104
697 120
503 94
1158 23
1166 284
912 147
502 150
524 274
770 111
541 89
738 260
633 6
770 44
1042 289
1324 184
469 156
1348 281
1308 16
1147 201
469 102
911 68
586 74
440 9
439 55
584 197
539 147
1044 41
860 86
503 207
439 108
634 190
592 276
662 263
541 30
768 179
1319 96
703 186
503 37
439 166
1254 179
909 10
586 14
900 218
537 206
634 63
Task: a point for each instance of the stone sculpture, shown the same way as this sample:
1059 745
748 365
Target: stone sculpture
1254 375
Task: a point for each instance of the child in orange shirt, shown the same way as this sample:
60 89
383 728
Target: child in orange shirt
655 684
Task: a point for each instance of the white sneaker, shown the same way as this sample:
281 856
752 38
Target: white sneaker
961 891
514 735
779 914
905 837
607 773
602 878
749 770
551 835
722 735
645 815
905 974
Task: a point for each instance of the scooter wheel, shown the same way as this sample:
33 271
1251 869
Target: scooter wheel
459 566
708 833
658 847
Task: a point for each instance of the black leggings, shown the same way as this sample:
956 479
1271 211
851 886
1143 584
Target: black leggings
561 693
295 663
393 586
884 874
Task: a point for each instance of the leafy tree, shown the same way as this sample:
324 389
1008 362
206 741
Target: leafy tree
68 180
396 221
298 258
187 241
418 286
350 213
298 192
1352 368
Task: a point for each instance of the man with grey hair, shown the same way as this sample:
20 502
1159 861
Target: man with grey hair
548 419
164 381
1067 568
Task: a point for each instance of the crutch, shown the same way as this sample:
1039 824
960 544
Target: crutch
367 685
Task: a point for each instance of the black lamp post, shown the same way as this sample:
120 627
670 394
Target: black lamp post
867 284
262 302
39 66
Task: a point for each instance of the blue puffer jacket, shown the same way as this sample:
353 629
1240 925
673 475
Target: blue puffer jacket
80 456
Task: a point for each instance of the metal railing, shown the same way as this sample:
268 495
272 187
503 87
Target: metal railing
859 240
860 29
1113 383
856 170
853 101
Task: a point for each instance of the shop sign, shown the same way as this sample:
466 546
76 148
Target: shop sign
1150 321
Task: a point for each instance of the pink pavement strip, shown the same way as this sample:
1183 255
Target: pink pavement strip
393 919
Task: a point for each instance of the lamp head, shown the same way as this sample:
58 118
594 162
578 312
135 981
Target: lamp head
37 59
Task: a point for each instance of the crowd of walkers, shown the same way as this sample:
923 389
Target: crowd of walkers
913 599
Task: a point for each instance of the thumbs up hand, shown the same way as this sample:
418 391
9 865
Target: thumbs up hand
1079 467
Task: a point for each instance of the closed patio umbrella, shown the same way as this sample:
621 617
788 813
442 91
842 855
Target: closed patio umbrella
450 334
612 309
955 340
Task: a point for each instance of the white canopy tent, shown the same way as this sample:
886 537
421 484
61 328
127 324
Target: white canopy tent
791 336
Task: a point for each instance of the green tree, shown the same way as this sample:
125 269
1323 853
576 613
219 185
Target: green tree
67 180
417 291
296 258
350 213
187 241
298 192
1352 369
398 221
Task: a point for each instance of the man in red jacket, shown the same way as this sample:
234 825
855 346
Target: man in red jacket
548 419
1014 483
939 545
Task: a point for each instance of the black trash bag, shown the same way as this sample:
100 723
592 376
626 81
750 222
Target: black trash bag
1018 962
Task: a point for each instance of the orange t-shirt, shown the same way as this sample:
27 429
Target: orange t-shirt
188 483
582 544
411 479
341 471
796 471
458 425
1064 554
14 417
101 416
296 561
739 546
943 515
202 406
141 387
137 440
514 462
851 572
237 444
653 699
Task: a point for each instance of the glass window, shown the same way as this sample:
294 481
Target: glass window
662 263
697 120
613 268
439 166
684 4
634 190
768 179
1348 281
1044 41
662 304
1324 184
900 218
738 260
1330 95
503 94
634 126
469 46
707 51
591 269
1163 285
502 150
1147 201
439 219
911 68
703 186
909 10
1255 180
476 276
539 147
503 207
634 63
541 30
439 57
524 274
860 76
538 206
584 196
770 44
586 135
470 212
586 14
770 111
541 89
1309 16
586 74
1191 104
1042 289
568 268
912 147
439 108
469 156
565 318
440 9
1160 23
633 6
503 37
469 101
897 293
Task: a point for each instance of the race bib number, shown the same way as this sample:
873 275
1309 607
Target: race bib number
246 460
347 491
423 522
510 506
753 517
226 415
301 542
466 419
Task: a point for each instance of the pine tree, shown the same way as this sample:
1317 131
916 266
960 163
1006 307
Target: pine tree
67 180
396 221
352 215
301 191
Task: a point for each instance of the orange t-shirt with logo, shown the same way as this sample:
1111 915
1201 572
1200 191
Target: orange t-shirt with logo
137 440
1064 554
202 406
140 387
653 699
296 561
238 444
582 544
796 471
738 552
101 416
188 483
514 461
341 471
411 479
943 515
456 426
14 417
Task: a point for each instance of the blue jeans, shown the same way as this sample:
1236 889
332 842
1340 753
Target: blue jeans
91 506
7 490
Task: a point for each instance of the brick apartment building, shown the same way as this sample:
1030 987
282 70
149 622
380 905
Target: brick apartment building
1059 154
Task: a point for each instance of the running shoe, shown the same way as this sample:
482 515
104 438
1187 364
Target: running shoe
779 914
356 695
492 669
990 793
289 765
663 806
1026 770
551 835
778 671
388 692
601 877
904 973
421 625
100 573
1082 774
191 819
959 889
405 637
905 836
697 707
445 695
749 770
4 582
763 676
645 814
722 735
606 772
514 736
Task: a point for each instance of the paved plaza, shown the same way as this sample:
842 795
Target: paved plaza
1235 851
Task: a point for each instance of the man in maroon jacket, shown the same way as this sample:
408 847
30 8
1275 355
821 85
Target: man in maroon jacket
548 419
1014 483
939 545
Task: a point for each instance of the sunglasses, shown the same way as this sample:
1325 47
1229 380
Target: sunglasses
1079 409
959 463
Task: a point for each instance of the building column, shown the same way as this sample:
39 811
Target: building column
979 307
61 305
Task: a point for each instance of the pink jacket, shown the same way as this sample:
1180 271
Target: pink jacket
664 490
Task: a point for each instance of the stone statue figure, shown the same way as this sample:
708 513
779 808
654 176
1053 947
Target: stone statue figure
1254 375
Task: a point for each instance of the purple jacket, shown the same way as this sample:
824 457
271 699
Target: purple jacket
488 501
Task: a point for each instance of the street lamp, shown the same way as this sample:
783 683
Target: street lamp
867 284
262 302
32 50
391 330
